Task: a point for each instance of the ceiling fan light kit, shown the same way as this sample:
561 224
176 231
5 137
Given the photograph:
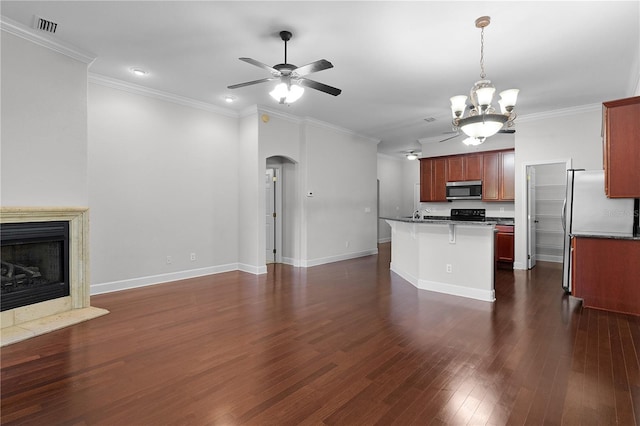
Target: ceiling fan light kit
482 119
287 94
291 78
412 156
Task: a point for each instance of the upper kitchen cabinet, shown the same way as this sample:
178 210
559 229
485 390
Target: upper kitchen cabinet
426 184
507 175
621 143
433 179
464 167
498 176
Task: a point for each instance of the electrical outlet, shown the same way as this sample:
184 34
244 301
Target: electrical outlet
346 243
501 209
449 269
193 257
169 260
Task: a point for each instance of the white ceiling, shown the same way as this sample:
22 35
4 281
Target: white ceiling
397 63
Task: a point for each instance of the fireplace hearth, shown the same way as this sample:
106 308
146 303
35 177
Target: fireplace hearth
34 262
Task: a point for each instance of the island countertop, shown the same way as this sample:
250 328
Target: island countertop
443 220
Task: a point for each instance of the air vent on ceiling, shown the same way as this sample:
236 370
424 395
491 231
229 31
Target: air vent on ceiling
429 119
44 25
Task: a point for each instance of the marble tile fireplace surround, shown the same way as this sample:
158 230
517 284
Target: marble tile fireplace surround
28 321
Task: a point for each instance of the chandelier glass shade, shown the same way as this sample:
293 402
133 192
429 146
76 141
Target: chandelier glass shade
287 93
482 120
471 141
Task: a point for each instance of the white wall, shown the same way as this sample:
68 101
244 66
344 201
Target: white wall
569 135
397 177
339 167
280 135
44 126
341 172
162 182
390 194
250 177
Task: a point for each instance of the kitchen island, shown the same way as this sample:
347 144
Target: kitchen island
446 256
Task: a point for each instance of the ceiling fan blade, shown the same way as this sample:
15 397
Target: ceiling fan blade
249 83
449 138
316 66
507 131
260 65
320 86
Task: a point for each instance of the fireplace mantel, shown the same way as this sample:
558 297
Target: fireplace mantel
28 321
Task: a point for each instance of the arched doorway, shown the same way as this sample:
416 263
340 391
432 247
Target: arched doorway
280 200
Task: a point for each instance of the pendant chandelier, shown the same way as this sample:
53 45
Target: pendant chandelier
482 120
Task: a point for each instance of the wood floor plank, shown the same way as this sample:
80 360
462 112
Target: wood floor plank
345 343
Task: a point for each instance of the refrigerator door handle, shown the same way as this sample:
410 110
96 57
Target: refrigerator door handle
564 215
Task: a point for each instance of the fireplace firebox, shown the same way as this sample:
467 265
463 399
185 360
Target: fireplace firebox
34 262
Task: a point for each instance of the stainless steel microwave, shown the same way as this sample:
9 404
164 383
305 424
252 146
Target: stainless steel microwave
465 190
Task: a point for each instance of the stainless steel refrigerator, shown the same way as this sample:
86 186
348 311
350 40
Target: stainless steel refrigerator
588 212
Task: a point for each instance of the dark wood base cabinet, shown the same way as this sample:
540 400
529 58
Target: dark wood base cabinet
606 273
504 246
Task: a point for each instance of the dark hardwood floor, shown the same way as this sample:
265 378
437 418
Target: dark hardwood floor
340 344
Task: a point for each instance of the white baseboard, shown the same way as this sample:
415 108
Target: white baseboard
455 290
520 265
159 279
193 273
450 289
252 269
549 258
384 240
291 261
407 277
338 258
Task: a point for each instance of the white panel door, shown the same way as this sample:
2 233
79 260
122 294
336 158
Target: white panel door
270 222
531 217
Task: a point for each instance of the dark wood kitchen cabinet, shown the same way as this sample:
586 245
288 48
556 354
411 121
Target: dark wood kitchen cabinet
455 168
504 246
498 176
621 147
433 179
464 167
507 179
605 273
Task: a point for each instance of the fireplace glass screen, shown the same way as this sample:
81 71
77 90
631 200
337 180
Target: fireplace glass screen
34 262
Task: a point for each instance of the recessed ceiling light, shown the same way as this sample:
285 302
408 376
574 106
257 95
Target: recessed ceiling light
229 99
139 72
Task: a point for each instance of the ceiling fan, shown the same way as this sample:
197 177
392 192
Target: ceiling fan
456 134
291 78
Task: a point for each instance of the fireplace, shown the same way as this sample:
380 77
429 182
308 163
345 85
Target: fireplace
34 262
45 249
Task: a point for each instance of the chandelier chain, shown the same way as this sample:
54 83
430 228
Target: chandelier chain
482 73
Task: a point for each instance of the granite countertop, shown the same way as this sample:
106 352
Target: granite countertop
502 220
611 237
441 220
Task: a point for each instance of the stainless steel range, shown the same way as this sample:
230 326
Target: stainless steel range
472 215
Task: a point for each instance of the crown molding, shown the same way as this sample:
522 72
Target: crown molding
400 158
558 113
276 113
113 83
303 120
19 30
309 120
